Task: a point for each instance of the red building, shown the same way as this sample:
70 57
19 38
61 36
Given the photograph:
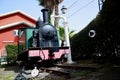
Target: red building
9 25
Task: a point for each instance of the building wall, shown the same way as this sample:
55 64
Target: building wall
6 35
5 20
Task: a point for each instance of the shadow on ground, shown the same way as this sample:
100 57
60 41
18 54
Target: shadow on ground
105 73
14 68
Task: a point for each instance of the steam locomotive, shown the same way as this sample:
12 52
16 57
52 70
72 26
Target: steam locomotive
40 43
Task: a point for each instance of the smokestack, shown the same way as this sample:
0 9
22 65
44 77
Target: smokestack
45 15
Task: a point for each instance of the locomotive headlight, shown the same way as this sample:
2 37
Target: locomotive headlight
92 33
48 32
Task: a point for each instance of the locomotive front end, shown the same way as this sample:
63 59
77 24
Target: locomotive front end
48 36
44 42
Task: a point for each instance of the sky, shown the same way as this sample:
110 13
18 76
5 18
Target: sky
79 12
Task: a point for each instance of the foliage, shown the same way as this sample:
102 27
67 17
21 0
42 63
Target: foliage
12 51
105 46
62 34
49 4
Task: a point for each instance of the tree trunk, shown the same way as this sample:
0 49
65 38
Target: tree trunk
56 13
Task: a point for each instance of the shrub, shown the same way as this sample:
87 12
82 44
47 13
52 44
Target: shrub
12 51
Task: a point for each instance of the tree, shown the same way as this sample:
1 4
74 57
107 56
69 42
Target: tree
51 5
62 34
57 2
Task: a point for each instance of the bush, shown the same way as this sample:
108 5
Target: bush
12 51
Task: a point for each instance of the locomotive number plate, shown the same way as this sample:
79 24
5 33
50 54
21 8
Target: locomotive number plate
33 53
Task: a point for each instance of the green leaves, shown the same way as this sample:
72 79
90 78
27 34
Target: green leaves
12 51
62 33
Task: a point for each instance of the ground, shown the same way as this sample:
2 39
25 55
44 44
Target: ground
105 72
9 73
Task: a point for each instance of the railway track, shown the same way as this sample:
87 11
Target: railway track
43 72
77 67
64 71
57 71
67 71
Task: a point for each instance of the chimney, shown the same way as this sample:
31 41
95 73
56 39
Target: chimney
45 16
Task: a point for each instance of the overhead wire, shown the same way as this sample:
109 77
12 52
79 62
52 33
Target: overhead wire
73 4
80 9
